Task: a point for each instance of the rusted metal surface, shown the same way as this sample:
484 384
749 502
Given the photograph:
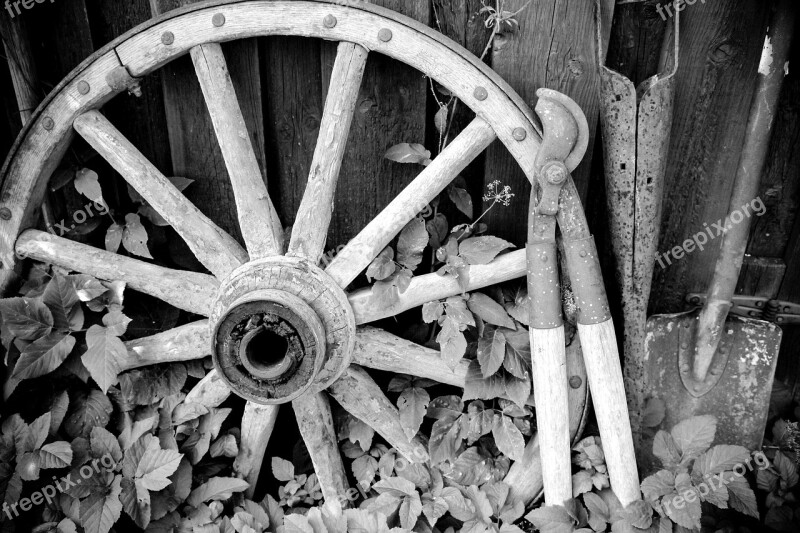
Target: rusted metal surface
740 398
636 125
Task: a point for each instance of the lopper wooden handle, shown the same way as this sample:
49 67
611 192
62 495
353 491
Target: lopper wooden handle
604 371
550 386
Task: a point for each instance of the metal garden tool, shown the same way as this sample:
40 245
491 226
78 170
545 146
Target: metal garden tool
555 202
707 362
636 125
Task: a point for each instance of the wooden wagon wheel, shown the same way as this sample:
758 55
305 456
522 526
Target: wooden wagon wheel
294 301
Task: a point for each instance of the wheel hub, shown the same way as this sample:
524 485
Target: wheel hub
280 327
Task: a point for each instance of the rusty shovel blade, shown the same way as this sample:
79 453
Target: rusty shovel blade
740 378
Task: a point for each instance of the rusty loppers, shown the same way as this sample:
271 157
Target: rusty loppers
555 203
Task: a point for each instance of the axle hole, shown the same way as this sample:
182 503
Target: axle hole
267 353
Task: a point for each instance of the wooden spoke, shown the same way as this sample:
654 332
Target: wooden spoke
217 250
381 230
184 343
211 391
314 418
379 349
314 215
258 219
369 308
257 425
189 291
362 397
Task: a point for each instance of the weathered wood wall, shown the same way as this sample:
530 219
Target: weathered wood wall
282 84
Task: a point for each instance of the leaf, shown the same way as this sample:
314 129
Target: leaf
461 199
87 184
382 266
489 311
89 410
581 482
508 438
599 513
87 287
61 298
103 356
664 448
741 497
413 404
446 436
104 443
432 311
719 459
58 410
155 467
411 244
224 446
26 318
101 509
55 455
116 322
551 519
518 354
152 215
114 237
408 153
659 484
655 409
694 435
786 468
282 469
138 509
482 250
364 469
452 342
44 355
410 510
395 486
134 236
216 488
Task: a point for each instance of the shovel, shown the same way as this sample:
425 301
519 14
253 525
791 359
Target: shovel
636 126
704 362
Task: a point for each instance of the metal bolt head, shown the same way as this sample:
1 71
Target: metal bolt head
329 21
555 173
48 123
544 258
5 213
480 93
583 253
167 38
218 19
575 382
385 35
83 87
519 134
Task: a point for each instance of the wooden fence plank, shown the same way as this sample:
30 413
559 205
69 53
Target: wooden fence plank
194 147
720 50
390 110
553 48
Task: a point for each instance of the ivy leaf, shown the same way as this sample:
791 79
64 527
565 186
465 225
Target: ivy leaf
216 488
785 467
89 410
26 318
452 342
659 484
694 435
55 455
103 443
44 355
87 184
518 354
155 467
599 513
138 509
382 266
655 409
409 153
116 322
664 448
741 497
446 436
508 438
61 298
410 510
482 250
489 311
411 244
101 509
581 482
461 199
688 513
282 469
551 519
134 236
103 356
432 311
413 404
719 459
437 230
114 237
364 469
440 120
58 410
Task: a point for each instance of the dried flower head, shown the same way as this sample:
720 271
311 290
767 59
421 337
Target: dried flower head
498 193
